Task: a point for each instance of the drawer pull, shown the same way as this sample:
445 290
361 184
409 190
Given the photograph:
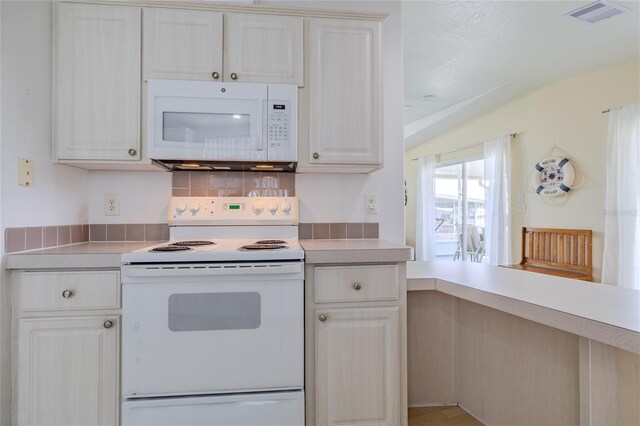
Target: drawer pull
108 324
357 286
67 294
322 317
215 75
234 76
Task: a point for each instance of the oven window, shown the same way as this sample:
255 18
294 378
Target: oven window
204 127
214 311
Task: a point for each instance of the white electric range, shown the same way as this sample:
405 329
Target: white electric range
213 320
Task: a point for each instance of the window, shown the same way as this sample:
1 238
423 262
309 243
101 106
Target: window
460 195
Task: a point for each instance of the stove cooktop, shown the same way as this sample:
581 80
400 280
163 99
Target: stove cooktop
217 250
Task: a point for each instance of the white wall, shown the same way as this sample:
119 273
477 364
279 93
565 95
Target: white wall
567 113
58 195
144 196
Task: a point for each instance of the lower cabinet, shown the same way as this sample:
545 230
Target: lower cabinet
356 345
67 352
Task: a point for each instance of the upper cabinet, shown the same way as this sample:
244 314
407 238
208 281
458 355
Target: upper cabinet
188 45
264 48
182 44
97 82
344 99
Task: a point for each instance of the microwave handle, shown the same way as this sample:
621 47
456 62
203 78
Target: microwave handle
262 129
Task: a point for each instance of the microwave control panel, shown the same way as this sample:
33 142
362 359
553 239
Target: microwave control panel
279 126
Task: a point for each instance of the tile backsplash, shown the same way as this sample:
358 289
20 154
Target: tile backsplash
337 231
233 184
39 237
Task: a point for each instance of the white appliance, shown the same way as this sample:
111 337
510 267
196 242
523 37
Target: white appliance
212 321
222 126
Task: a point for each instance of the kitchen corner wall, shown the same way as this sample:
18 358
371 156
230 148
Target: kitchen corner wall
567 113
326 198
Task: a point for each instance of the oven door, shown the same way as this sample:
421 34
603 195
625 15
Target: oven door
216 328
190 120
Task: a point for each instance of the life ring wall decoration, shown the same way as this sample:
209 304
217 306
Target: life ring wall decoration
553 177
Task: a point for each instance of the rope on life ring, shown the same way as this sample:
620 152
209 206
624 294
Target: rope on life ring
553 177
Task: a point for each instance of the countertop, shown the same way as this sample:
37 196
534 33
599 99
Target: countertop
354 251
81 255
107 254
603 312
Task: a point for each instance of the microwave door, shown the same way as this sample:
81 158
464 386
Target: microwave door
208 129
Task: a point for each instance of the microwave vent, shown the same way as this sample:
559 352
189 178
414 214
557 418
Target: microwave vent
597 11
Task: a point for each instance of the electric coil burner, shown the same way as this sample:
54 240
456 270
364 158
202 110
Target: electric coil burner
193 243
229 288
170 248
262 247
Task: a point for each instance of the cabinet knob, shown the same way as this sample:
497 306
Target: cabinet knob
215 75
67 294
234 76
357 286
316 155
322 317
132 152
108 324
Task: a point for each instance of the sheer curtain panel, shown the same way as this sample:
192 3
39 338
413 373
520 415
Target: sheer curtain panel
426 209
497 233
621 260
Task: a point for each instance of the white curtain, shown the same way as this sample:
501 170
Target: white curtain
497 232
426 209
621 260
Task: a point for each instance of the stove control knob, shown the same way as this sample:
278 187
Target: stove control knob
273 207
285 207
257 207
181 207
194 207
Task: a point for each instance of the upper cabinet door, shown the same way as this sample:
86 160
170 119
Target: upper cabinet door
97 90
182 44
264 48
345 92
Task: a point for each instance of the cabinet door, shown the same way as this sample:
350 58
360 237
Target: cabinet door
182 44
345 91
68 371
264 48
97 109
357 366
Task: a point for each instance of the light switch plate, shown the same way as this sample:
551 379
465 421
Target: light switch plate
521 208
25 172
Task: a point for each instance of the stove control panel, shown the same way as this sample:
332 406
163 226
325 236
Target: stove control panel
233 211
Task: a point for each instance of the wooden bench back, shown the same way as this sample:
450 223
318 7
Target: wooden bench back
557 248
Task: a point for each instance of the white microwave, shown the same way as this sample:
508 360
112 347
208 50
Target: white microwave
222 126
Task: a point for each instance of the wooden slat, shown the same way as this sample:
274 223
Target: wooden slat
569 250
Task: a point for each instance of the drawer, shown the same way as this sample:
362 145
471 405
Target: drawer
54 291
356 283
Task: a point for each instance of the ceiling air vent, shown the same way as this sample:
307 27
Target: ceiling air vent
597 11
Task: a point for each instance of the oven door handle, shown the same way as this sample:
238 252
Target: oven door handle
209 270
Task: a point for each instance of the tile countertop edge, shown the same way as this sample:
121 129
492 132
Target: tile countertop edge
355 251
600 312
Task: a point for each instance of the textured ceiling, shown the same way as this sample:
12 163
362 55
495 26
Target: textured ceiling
473 56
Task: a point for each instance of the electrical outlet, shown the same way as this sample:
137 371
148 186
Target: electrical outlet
112 205
521 207
371 204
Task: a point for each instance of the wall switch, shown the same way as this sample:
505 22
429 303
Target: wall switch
521 207
25 172
520 197
371 204
112 205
